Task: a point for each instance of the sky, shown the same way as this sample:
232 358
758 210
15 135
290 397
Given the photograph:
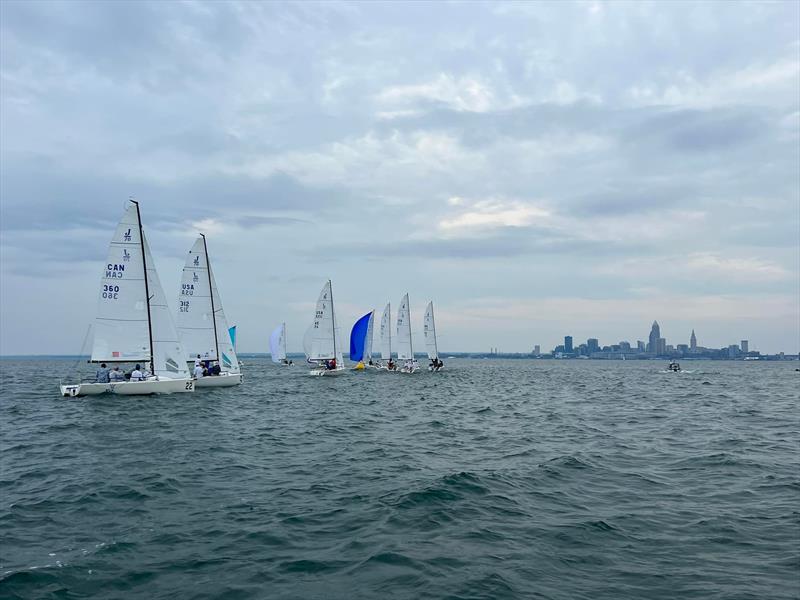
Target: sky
537 169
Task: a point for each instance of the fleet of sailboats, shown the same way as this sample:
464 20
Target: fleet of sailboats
134 325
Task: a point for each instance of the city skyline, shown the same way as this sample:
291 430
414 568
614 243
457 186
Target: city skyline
656 346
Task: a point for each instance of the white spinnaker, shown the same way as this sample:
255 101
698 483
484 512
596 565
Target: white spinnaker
228 361
277 343
430 332
121 326
195 320
386 332
169 357
404 347
368 341
323 346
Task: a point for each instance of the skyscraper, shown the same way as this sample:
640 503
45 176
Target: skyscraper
567 343
693 342
745 346
655 333
592 345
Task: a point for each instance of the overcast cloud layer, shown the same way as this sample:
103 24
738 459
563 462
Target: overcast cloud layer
537 169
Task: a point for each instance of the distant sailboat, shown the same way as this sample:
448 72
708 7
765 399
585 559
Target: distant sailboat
386 339
405 349
361 340
325 351
133 323
201 319
430 340
277 345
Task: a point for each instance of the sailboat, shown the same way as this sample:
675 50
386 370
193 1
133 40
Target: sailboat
325 351
277 345
386 339
133 322
361 341
405 349
202 326
430 339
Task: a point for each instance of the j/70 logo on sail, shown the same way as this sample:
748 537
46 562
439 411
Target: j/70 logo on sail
196 261
127 235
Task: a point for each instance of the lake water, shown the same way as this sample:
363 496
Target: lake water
492 479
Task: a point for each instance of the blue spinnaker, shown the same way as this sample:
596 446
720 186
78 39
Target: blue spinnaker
358 337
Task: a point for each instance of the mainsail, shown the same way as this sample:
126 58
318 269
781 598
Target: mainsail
121 328
324 345
201 318
386 332
404 347
277 343
361 338
430 332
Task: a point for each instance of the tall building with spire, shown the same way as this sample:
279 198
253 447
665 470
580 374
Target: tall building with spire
655 334
693 342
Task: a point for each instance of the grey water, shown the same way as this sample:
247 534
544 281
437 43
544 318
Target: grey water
491 479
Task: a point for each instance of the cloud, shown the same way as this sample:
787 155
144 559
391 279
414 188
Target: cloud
494 213
548 151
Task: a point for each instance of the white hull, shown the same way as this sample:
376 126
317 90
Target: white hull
435 369
130 388
327 372
222 380
408 371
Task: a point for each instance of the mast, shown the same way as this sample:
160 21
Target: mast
389 327
146 284
284 340
211 293
333 320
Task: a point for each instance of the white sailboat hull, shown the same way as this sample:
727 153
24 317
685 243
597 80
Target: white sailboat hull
130 388
222 380
323 372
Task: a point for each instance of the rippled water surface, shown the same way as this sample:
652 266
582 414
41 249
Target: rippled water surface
493 479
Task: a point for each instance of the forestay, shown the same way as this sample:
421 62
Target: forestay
277 343
430 332
361 338
121 326
386 332
405 350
